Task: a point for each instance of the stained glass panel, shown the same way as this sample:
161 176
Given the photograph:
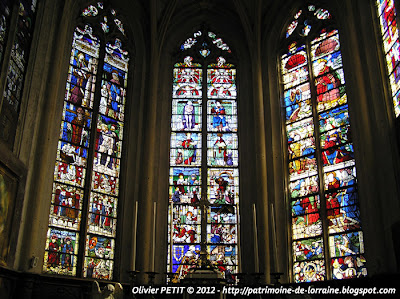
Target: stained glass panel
224 258
182 176
61 250
390 37
186 115
221 83
20 48
336 161
221 116
300 130
303 166
5 13
308 249
102 214
297 102
304 186
309 271
185 149
222 149
349 267
346 244
187 83
223 186
224 214
190 109
101 144
66 205
184 259
99 255
334 118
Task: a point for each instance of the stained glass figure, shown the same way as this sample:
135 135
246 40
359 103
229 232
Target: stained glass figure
94 136
349 267
99 257
203 193
66 206
184 259
324 158
221 116
223 186
186 115
61 250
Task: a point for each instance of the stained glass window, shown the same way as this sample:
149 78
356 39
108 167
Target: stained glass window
83 212
327 240
5 14
16 64
390 36
204 176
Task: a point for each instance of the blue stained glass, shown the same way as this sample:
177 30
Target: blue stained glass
346 244
184 257
306 205
114 75
342 198
334 118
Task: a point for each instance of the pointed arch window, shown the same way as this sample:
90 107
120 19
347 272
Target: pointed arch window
327 240
18 38
391 46
83 213
204 176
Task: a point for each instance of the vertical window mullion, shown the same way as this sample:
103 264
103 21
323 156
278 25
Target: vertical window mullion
89 174
318 152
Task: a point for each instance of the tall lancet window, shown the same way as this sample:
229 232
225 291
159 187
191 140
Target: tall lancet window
83 213
327 241
204 176
18 37
390 36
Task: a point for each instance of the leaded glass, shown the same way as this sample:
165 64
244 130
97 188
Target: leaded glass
203 193
186 115
187 83
61 250
66 206
349 267
5 13
308 249
184 259
20 48
222 149
223 186
221 116
321 161
390 37
99 257
309 271
90 137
